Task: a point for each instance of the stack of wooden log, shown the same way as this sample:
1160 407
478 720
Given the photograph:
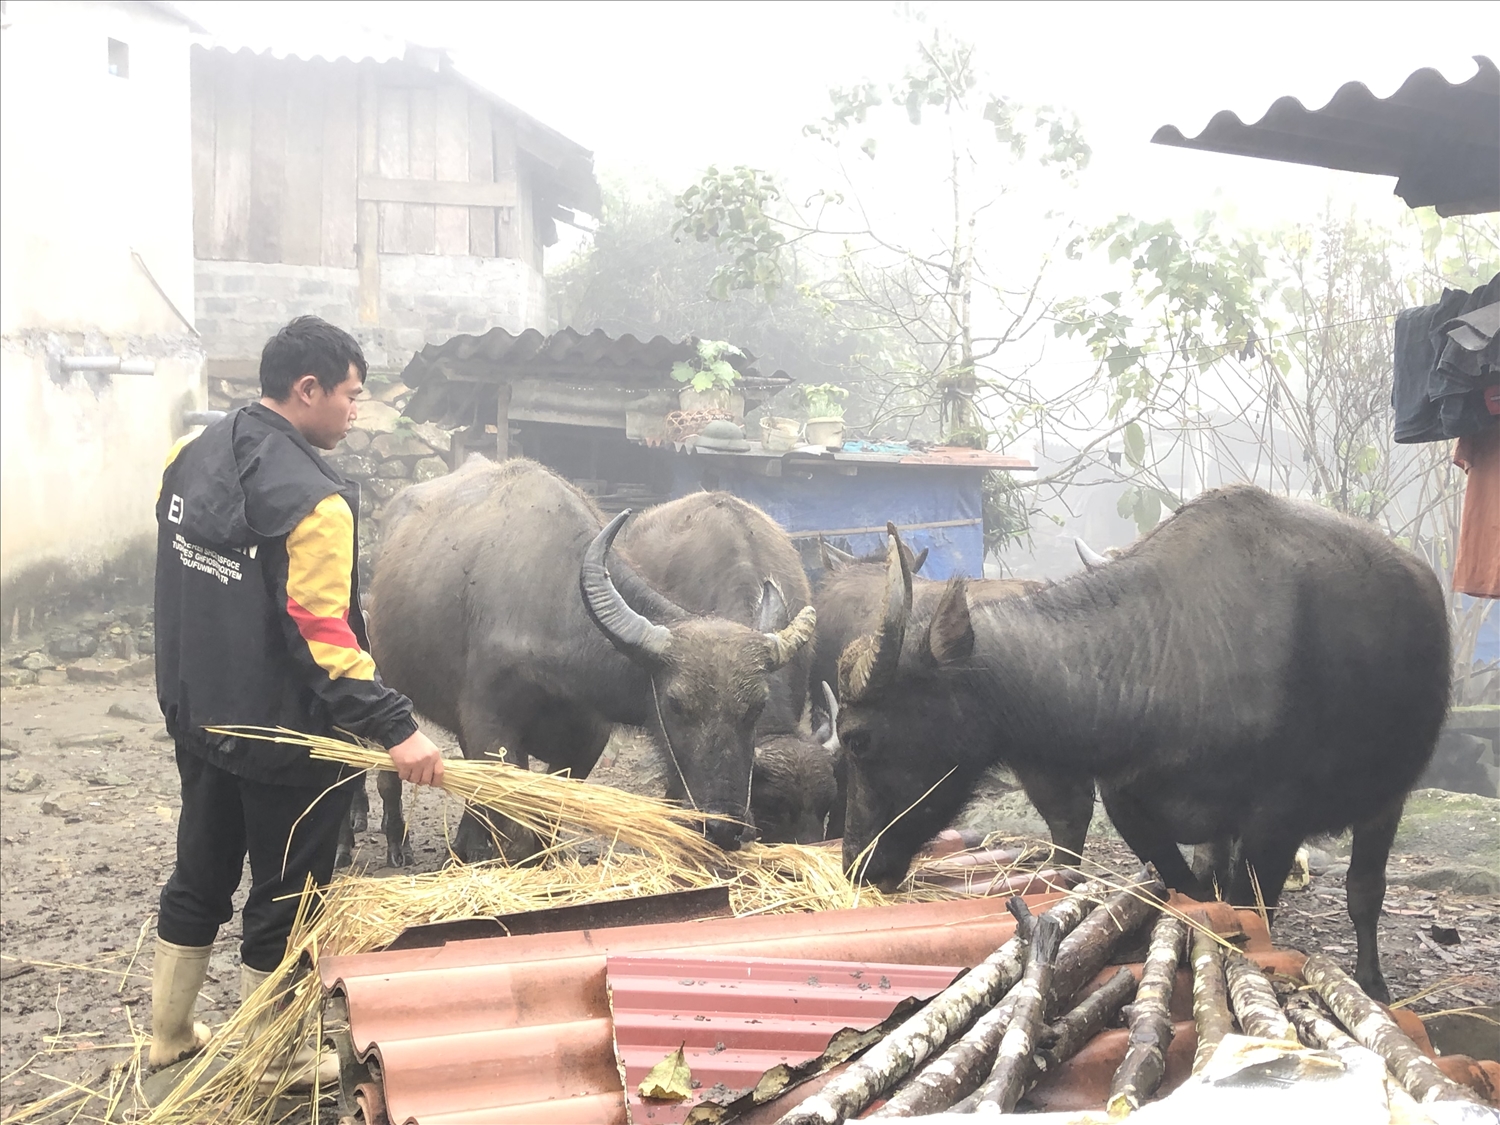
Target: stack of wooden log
982 1044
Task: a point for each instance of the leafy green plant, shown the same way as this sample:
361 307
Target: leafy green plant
823 400
709 369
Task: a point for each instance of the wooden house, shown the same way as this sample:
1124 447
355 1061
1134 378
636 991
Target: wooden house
394 196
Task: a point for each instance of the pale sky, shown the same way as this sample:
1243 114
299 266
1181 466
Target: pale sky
668 88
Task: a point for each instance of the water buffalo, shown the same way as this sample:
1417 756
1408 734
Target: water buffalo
1254 669
794 789
500 612
848 604
713 553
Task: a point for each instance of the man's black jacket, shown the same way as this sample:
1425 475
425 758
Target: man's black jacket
257 601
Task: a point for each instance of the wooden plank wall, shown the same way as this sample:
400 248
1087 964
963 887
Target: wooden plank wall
276 162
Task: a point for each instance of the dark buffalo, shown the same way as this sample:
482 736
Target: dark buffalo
848 604
499 612
794 789
713 553
1255 670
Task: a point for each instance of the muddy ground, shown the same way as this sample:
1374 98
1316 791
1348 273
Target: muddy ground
88 808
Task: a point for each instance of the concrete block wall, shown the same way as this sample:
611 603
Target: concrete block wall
424 299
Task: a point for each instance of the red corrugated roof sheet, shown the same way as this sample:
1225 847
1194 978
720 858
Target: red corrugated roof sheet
516 1029
739 1019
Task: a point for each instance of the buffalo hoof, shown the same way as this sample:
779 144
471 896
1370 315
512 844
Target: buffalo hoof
342 858
474 851
359 819
399 854
522 850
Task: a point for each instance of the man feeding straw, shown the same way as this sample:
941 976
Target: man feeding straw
258 624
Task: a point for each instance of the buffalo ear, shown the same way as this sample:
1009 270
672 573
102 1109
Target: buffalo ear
950 634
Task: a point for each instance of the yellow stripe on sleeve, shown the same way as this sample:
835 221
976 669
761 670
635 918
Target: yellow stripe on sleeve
320 561
177 447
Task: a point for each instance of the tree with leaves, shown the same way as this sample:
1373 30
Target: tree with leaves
633 276
1234 357
941 306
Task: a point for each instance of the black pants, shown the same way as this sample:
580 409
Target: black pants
225 816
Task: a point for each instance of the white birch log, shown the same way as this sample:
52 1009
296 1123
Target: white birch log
926 1033
1210 998
1145 1061
916 1040
1254 1000
1313 1025
1013 1061
1373 1028
1070 1034
953 1078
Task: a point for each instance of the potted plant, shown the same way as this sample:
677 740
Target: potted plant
709 380
825 414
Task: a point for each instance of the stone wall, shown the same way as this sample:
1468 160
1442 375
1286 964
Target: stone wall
424 299
386 453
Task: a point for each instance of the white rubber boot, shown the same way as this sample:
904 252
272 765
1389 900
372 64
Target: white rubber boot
250 980
300 1067
176 977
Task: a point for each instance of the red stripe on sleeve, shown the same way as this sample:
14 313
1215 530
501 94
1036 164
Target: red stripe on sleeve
326 630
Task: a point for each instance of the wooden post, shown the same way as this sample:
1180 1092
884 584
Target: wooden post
502 423
367 218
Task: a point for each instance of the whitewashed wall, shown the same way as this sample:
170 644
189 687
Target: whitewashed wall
92 167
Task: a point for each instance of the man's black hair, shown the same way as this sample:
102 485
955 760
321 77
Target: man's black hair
308 345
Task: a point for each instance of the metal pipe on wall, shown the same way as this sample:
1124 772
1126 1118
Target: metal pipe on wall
107 365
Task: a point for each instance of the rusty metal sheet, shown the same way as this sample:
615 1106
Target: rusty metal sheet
676 906
1440 139
750 1023
517 1028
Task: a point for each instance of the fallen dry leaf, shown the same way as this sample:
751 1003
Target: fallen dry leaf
669 1080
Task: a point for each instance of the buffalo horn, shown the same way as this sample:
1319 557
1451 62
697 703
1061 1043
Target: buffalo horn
1092 559
834 559
626 629
773 614
831 743
870 661
785 643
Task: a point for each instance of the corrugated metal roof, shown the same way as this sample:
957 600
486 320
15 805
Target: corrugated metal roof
501 357
516 1029
1440 139
739 1020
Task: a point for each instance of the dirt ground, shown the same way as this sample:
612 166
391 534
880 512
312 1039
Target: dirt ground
88 809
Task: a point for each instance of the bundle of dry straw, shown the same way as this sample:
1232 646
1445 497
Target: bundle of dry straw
652 847
360 913
550 805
